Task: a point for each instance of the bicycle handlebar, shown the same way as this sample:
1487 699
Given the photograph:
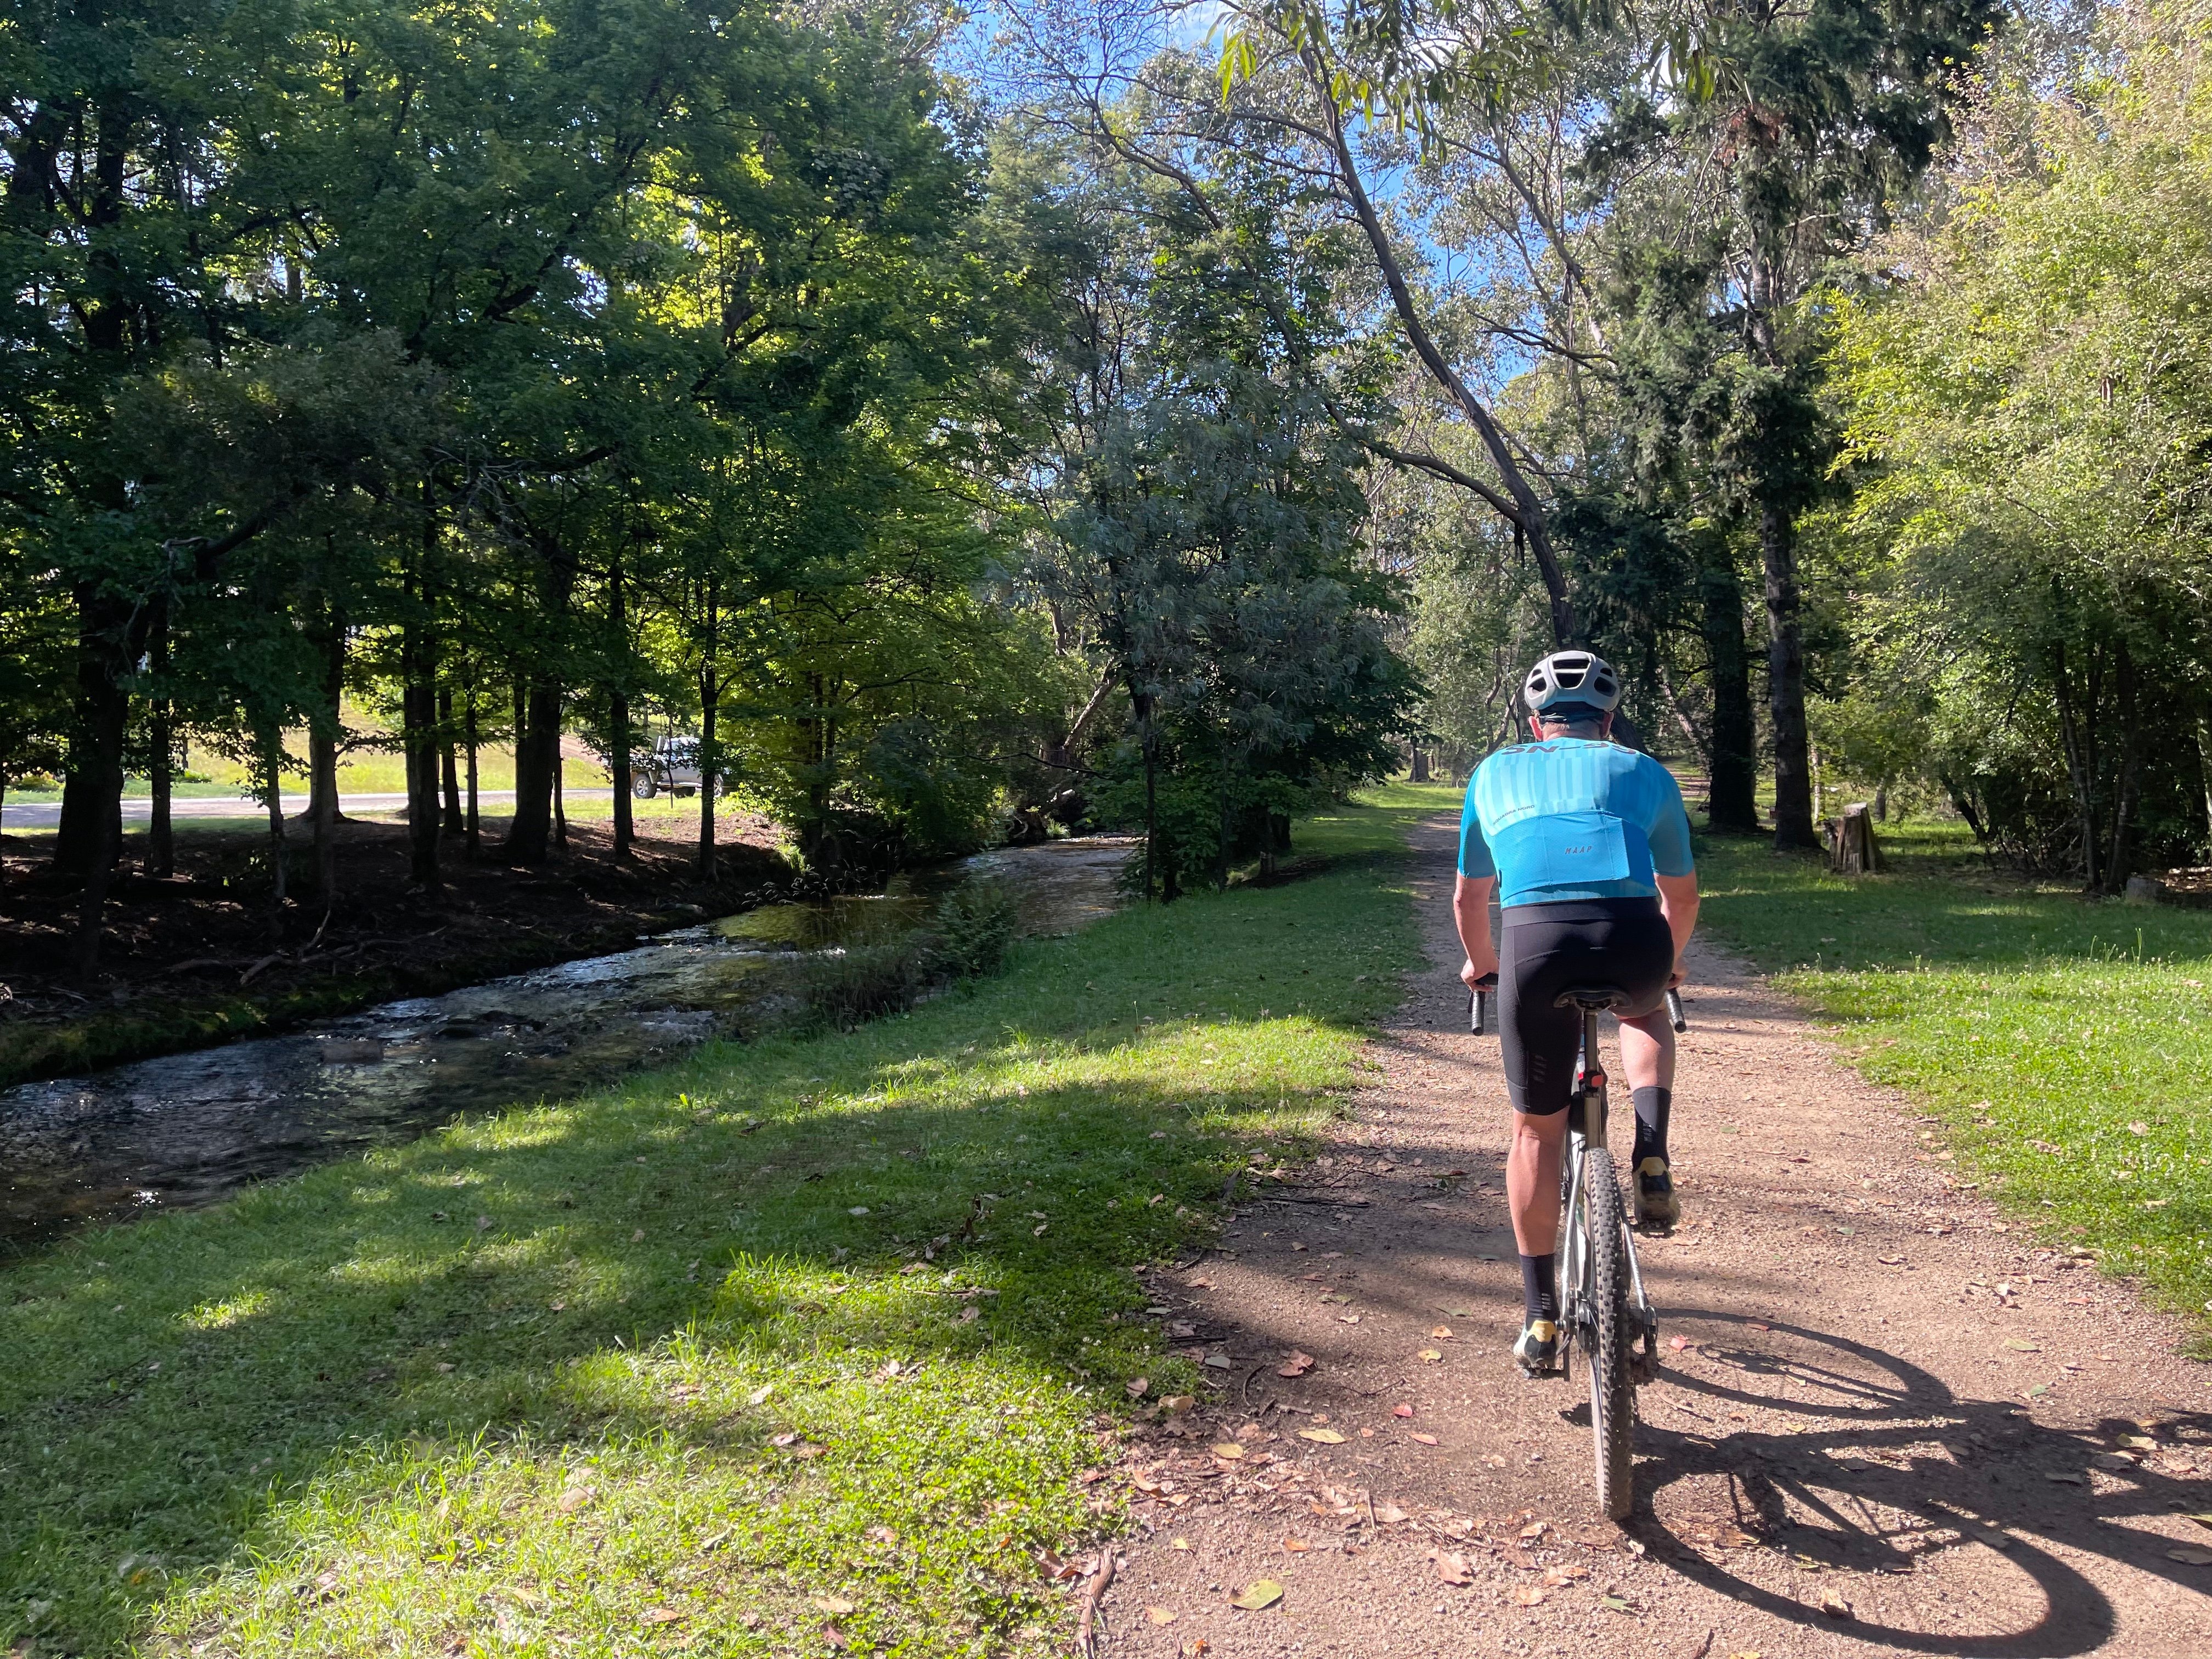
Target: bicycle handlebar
1674 1014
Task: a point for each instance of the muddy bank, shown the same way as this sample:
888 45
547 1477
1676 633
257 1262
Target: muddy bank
194 960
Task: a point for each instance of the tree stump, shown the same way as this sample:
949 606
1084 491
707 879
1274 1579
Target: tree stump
1851 849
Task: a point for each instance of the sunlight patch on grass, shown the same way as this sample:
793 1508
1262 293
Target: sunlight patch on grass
912 1247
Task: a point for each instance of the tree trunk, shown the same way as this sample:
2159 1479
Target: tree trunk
560 807
2123 811
536 752
618 712
2077 765
91 832
710 698
1732 757
418 709
160 761
1786 683
323 734
475 822
272 781
455 823
1417 766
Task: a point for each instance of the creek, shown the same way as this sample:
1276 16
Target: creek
192 1128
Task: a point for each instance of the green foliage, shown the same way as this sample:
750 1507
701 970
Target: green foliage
2026 407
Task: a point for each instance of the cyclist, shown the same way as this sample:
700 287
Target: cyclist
1590 846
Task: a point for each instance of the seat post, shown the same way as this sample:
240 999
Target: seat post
1594 1113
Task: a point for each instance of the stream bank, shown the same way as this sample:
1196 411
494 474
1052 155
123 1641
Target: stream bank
185 1130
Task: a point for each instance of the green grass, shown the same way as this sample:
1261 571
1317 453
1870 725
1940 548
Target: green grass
530 1385
2065 1045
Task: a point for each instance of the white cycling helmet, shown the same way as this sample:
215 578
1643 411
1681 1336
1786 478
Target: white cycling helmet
1568 677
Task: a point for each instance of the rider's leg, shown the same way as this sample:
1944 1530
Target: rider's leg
1532 1181
1647 1055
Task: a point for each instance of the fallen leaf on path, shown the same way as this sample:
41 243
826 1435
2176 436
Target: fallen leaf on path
1219 1362
1229 1450
1401 1411
573 1499
2065 1478
1679 1343
759 1395
1535 1529
2019 1347
882 1534
1296 1545
1198 1282
969 1315
1193 1649
1441 1333
834 1637
1162 1615
1325 1437
2192 1556
1180 1543
837 1604
2202 1518
661 1616
1529 1596
1389 1514
2113 1461
1137 1387
1175 1404
1452 1569
1495 1460
1259 1593
1349 1319
2140 1441
1834 1605
1424 1439
1432 1355
1565 1573
1296 1364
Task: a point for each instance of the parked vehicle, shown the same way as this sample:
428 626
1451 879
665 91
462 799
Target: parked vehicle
671 766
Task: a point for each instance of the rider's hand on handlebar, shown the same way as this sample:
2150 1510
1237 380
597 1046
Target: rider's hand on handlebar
1479 979
1675 979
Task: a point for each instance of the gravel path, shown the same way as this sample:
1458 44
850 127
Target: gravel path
1894 1426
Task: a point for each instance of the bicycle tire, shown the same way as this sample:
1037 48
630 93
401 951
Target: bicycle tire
1610 1353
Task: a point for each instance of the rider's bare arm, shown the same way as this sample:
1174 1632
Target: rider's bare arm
1471 911
1677 900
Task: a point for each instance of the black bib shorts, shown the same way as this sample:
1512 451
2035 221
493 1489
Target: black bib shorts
1547 948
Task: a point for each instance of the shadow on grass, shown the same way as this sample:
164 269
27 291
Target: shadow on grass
964 1191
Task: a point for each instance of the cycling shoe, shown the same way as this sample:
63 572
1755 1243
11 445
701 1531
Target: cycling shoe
1536 1351
1655 1203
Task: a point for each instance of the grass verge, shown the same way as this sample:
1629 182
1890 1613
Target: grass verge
813 1336
2064 1046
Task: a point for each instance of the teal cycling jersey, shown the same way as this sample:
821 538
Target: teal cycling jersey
1572 819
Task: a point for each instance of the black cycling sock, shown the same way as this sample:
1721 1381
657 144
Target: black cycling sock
1652 1108
1539 1287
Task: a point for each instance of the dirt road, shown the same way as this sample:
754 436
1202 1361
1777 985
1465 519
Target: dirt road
1895 1426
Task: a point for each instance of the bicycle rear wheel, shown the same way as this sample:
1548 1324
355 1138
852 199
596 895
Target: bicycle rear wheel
1611 1337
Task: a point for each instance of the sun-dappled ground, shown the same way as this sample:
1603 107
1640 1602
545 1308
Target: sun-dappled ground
809 1336
2063 1046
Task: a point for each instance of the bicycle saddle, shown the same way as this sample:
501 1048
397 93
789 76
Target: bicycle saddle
1597 998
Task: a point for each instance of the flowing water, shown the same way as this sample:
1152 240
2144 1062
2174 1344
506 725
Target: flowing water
188 1129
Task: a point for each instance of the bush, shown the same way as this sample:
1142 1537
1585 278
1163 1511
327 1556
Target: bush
968 939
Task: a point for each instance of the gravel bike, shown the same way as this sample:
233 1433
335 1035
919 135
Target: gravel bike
1602 1302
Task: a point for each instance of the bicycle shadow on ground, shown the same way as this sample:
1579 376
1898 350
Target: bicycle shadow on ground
1888 1472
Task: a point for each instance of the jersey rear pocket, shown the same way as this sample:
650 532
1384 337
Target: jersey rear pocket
1570 849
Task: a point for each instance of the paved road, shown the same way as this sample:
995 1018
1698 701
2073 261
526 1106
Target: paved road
45 815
